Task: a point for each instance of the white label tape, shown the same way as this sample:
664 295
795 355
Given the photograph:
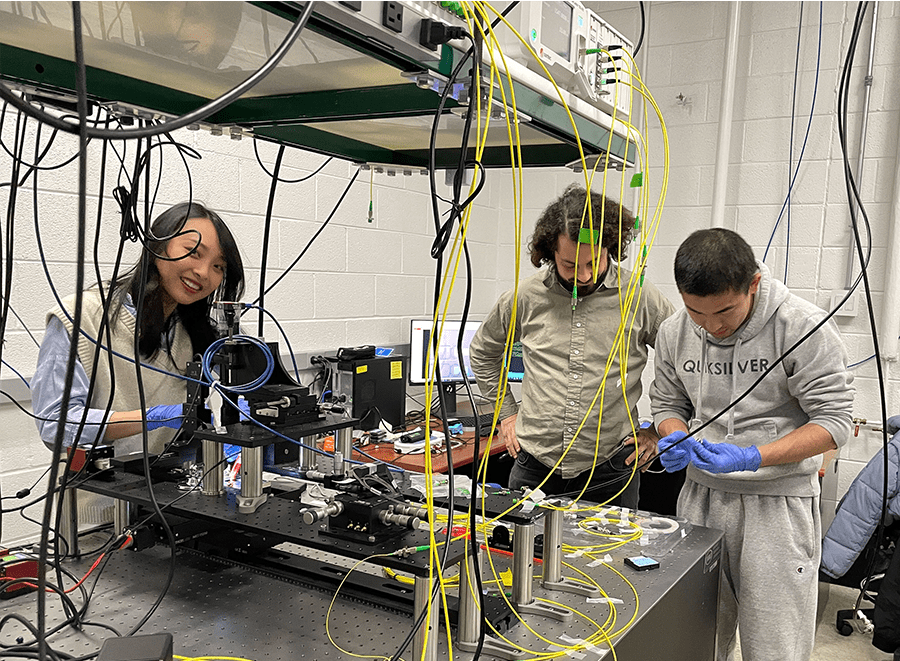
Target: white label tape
604 600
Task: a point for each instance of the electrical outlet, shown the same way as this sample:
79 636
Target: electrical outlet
848 309
392 16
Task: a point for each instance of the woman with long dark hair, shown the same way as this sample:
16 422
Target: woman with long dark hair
164 305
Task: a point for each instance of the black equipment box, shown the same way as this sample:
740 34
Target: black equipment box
151 647
374 389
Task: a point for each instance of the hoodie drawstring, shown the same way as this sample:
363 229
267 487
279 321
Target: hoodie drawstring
735 357
696 421
729 437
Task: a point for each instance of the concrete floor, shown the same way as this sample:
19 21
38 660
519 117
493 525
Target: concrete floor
832 646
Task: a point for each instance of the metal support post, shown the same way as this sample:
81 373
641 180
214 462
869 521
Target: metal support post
425 641
553 578
68 526
252 495
214 464
121 515
344 445
471 620
307 459
523 577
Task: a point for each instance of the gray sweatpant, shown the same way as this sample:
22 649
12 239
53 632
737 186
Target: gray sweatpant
770 570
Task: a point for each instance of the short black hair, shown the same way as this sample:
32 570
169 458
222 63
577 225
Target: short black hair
567 215
714 261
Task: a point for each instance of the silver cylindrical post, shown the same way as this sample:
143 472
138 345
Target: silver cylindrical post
344 443
121 516
523 563
68 527
552 578
251 472
214 462
552 546
307 459
252 495
469 614
425 641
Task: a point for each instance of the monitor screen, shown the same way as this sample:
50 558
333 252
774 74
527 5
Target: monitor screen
419 336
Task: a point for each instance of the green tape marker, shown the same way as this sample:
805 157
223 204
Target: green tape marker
637 222
585 235
637 180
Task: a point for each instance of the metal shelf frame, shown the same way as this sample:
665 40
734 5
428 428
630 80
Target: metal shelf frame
337 122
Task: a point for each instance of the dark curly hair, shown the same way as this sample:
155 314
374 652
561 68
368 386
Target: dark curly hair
564 216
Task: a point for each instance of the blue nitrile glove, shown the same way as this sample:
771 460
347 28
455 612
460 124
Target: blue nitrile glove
678 457
726 457
164 415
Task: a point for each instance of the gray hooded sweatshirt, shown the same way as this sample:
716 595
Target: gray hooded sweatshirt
697 376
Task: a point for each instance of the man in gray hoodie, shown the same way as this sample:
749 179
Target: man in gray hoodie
760 420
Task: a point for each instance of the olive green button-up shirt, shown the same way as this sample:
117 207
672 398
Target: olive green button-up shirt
565 353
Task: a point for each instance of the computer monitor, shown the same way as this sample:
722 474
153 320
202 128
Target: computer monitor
448 356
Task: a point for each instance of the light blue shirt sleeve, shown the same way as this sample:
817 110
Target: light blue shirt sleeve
47 388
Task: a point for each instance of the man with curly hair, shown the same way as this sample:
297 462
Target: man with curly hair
584 347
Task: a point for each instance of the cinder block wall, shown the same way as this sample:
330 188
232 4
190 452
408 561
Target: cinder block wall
361 282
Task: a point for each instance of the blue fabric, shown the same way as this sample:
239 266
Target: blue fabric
860 509
725 457
47 385
674 452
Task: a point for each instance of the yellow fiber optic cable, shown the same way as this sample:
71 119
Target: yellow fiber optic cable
331 606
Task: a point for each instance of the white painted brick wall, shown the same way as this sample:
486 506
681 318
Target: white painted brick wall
361 281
